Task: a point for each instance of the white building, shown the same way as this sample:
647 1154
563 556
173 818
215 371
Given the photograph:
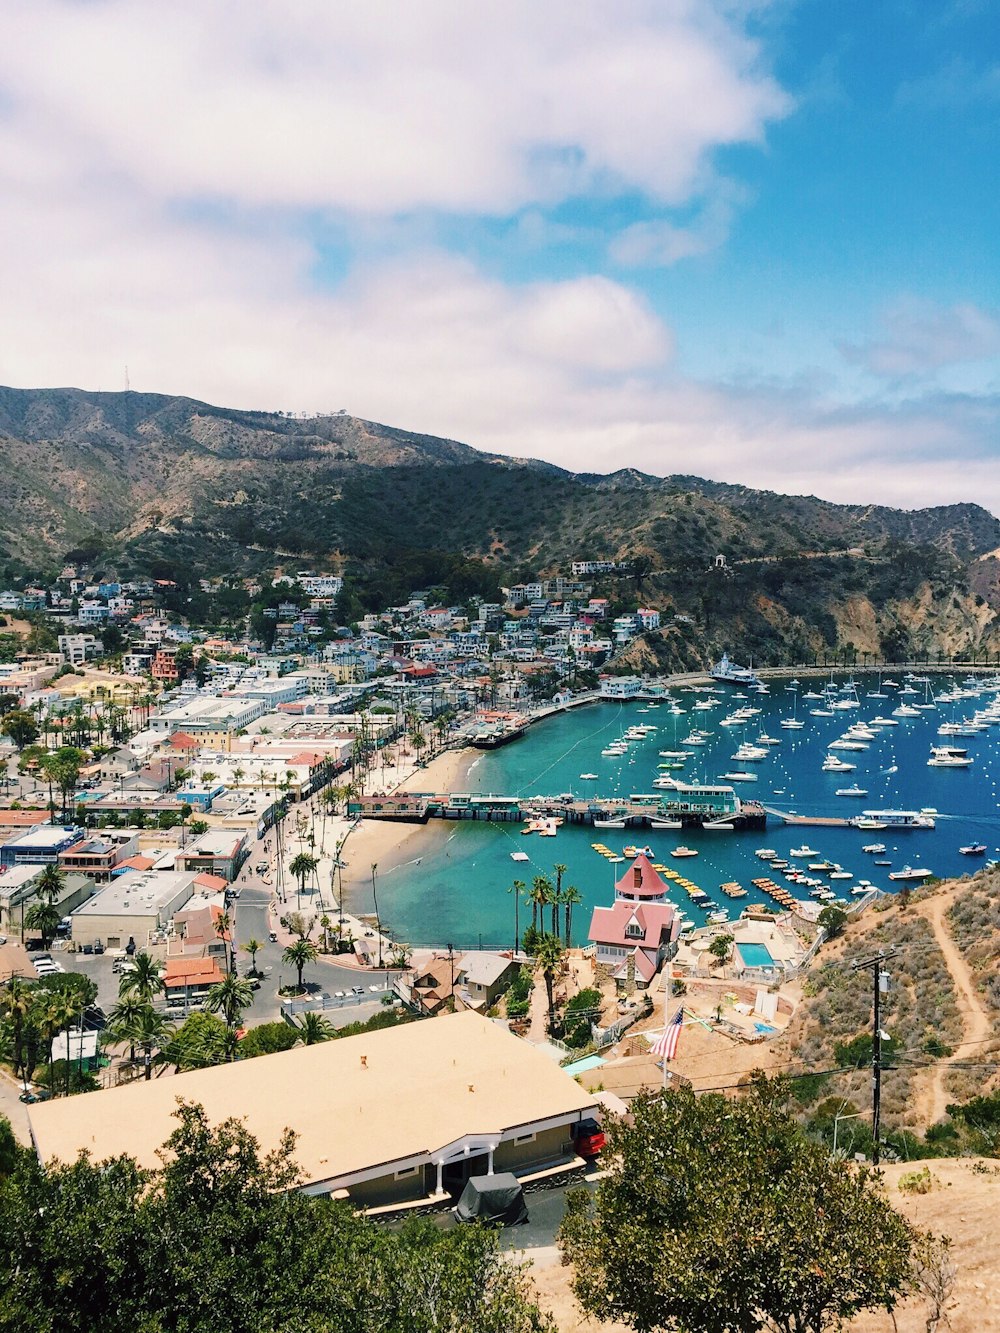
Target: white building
621 687
648 618
78 648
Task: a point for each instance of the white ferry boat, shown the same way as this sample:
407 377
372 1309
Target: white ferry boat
732 673
894 819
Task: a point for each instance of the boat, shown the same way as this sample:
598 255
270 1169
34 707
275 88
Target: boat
948 756
831 764
804 850
876 848
588 777
665 823
732 673
683 851
765 853
718 826
733 889
974 849
608 823
895 819
718 916
739 777
881 863
910 873
852 791
520 856
638 851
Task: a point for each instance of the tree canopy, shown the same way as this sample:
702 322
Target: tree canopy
720 1216
218 1241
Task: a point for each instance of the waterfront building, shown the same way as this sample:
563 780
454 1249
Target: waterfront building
621 687
638 932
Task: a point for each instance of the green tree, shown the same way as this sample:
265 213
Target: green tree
571 898
301 867
43 916
20 726
230 997
539 895
549 955
63 768
720 947
267 1038
197 1043
719 1215
832 919
298 954
143 979
315 1028
252 947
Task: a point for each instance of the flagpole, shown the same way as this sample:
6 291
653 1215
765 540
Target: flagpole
667 996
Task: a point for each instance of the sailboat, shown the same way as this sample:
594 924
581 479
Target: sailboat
792 723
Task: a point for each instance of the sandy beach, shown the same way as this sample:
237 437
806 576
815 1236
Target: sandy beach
386 844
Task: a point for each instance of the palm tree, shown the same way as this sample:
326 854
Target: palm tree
572 897
15 1005
151 1029
297 955
555 902
143 980
229 997
548 956
251 947
50 882
59 1012
123 1020
517 888
223 928
538 896
315 1028
302 867
44 917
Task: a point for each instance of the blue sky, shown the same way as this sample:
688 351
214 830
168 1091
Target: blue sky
752 240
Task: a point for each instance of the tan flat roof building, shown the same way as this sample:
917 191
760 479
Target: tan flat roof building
390 1116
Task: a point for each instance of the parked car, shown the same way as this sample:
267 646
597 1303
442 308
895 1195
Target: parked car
357 990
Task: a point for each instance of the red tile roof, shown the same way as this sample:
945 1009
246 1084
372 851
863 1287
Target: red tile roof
608 925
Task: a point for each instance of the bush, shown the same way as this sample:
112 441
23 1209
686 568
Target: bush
267 1038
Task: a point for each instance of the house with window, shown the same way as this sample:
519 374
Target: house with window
385 1120
639 931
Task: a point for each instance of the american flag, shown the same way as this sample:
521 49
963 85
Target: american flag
666 1043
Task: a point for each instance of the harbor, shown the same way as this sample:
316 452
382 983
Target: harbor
473 841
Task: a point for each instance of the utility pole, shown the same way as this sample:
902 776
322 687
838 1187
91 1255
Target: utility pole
880 987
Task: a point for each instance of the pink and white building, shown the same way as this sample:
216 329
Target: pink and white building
639 925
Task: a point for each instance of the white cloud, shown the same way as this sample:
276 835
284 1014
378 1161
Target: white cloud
387 106
920 338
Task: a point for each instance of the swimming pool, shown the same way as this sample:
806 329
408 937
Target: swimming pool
755 955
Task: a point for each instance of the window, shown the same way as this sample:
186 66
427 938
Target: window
633 931
407 1171
523 1138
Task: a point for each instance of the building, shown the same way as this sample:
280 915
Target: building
621 687
19 887
78 648
137 906
402 1115
219 852
482 977
187 981
98 856
39 846
648 618
639 930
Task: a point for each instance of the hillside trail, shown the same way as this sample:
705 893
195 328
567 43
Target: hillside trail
977 1022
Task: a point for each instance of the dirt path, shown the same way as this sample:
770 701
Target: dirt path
976 1020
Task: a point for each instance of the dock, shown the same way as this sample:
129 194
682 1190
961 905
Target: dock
810 821
637 811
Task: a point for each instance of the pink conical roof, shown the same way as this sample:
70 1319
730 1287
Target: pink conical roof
641 881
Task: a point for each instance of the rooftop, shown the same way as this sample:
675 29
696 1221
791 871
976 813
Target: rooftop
356 1104
139 893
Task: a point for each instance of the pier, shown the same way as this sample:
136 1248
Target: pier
636 811
811 821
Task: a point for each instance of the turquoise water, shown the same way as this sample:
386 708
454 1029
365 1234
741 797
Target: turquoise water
459 891
755 955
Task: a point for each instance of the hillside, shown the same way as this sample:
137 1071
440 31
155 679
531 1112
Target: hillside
150 483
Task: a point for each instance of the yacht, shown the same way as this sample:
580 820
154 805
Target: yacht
588 777
804 850
910 873
852 791
876 848
831 764
974 849
609 823
948 756
739 776
906 710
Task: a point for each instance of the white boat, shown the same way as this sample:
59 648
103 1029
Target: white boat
731 673
609 823
841 874
948 756
791 724
665 823
520 856
876 848
852 791
765 853
906 710
718 826
588 777
804 850
718 916
910 873
895 819
831 764
683 851
740 777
